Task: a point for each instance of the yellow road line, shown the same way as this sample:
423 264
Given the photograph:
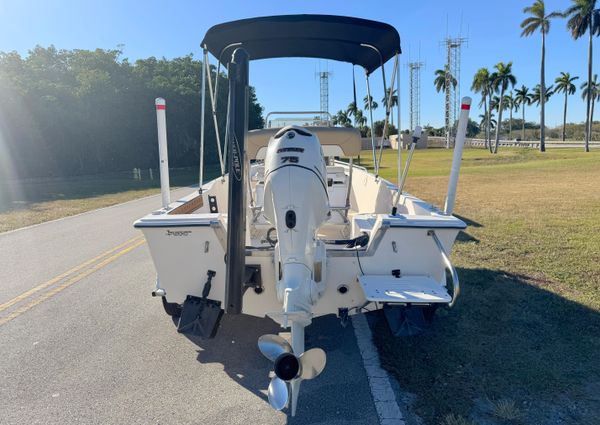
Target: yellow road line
69 282
64 275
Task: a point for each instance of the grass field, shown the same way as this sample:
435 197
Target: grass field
522 345
27 202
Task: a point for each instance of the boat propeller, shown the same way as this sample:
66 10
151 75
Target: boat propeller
289 368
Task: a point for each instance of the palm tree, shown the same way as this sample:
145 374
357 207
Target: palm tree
394 102
441 76
584 17
481 84
342 118
522 99
564 84
370 103
539 20
495 103
487 119
594 94
503 77
506 104
352 110
510 105
536 97
490 93
360 118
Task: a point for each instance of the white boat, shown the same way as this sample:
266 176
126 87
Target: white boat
289 231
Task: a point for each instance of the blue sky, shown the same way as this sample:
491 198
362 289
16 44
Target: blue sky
174 28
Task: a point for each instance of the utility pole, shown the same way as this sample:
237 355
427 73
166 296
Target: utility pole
452 93
414 92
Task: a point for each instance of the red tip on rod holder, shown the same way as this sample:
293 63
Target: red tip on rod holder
465 106
160 103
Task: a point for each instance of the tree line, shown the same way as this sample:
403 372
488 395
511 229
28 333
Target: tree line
74 112
583 18
353 116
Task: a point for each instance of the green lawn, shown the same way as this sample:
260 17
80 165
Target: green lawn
27 202
522 345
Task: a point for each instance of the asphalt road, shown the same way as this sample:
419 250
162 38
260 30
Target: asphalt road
82 340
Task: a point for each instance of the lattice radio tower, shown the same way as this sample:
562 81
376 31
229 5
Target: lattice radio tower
324 93
452 68
414 92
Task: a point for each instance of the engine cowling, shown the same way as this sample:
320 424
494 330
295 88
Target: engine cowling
296 203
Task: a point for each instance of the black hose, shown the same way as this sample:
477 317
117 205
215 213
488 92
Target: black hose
273 242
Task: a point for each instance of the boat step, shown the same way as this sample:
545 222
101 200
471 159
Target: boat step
405 289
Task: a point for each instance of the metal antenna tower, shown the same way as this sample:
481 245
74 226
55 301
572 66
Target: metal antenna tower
324 92
415 93
452 93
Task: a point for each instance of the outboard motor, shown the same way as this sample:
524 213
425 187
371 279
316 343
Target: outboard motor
296 203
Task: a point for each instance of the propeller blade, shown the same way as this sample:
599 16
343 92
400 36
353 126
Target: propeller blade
278 393
313 362
295 391
272 346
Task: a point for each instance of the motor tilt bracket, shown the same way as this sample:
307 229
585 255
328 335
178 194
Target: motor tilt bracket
343 315
253 279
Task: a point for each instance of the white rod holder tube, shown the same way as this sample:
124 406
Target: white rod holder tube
459 144
163 156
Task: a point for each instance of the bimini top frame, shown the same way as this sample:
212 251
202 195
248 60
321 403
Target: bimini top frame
361 42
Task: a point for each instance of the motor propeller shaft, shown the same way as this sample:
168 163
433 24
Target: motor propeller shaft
289 368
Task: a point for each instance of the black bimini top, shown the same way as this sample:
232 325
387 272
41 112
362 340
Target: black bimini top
338 38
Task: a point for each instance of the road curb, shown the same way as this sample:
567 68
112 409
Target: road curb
383 395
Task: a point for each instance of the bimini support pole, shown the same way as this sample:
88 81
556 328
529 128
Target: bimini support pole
203 109
163 156
399 123
415 140
371 122
388 107
229 46
213 103
235 267
376 50
459 143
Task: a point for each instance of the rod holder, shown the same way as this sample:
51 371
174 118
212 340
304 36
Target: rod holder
163 156
459 144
